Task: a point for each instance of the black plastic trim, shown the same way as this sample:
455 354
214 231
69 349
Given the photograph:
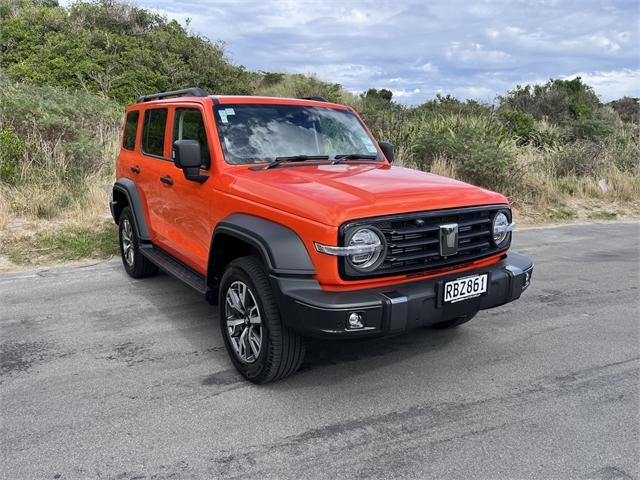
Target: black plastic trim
282 249
185 92
175 267
312 311
128 187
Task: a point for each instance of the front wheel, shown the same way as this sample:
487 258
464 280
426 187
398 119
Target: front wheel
261 348
454 322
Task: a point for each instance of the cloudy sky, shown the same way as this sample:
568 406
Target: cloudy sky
473 49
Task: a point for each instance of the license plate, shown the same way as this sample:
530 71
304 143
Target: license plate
465 288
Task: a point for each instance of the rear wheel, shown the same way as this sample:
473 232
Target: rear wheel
454 322
135 264
261 348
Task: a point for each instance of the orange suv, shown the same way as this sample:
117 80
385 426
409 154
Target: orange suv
289 215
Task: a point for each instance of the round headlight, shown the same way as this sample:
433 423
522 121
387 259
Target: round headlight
368 260
500 228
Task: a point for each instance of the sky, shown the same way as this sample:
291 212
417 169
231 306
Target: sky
416 49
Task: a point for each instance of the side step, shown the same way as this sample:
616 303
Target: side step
175 267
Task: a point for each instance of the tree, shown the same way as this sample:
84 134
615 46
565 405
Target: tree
382 94
628 108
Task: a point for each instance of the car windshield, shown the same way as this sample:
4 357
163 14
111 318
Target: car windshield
259 133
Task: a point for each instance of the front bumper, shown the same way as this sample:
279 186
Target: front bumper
315 312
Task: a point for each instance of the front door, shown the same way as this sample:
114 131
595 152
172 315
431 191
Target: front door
186 225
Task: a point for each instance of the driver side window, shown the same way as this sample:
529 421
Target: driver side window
189 125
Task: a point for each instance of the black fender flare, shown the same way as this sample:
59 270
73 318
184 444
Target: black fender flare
283 251
129 189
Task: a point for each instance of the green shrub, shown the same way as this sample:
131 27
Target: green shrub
560 101
478 146
628 108
593 129
113 48
298 86
522 125
12 149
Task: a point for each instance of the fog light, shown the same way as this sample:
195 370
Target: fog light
527 279
355 320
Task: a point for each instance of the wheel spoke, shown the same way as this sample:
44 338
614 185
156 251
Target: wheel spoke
254 316
234 322
234 301
254 342
243 343
242 292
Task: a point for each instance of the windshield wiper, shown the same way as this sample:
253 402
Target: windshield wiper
295 158
353 156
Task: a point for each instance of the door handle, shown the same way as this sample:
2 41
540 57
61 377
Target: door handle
135 169
167 180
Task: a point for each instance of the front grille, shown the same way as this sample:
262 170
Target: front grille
413 240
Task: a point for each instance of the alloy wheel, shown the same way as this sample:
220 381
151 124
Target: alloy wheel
127 242
244 322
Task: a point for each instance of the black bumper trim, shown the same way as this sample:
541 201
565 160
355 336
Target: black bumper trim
312 311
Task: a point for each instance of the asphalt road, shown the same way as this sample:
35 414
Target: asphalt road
103 376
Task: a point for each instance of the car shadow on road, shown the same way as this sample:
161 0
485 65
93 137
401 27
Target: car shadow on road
197 322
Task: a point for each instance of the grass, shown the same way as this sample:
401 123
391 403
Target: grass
562 213
63 245
602 215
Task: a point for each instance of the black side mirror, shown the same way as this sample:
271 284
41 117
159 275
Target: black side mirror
187 156
387 149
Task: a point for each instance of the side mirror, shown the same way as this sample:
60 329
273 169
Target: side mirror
387 149
187 156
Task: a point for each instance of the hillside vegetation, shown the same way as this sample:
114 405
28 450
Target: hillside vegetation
67 74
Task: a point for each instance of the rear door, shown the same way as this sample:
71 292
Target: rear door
154 147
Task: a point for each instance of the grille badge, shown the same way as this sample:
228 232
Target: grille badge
448 239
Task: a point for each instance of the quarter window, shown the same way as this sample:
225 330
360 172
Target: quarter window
130 130
189 125
155 121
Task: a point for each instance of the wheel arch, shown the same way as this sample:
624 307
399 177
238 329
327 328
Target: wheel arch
125 193
281 250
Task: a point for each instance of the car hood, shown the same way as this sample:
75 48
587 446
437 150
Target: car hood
334 194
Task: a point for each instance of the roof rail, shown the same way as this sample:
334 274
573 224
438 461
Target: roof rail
185 92
317 99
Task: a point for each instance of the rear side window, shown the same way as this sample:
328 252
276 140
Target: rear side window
130 130
155 121
189 125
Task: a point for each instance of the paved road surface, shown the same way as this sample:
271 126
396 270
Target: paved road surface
108 377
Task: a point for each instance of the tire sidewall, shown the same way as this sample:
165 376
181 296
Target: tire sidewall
249 370
126 214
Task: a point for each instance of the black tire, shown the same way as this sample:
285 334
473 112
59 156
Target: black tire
135 264
454 322
281 350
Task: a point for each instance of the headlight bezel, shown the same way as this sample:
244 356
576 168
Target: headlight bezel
347 250
506 227
376 257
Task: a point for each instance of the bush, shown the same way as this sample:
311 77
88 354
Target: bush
560 101
593 129
12 149
112 48
479 148
298 86
628 108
